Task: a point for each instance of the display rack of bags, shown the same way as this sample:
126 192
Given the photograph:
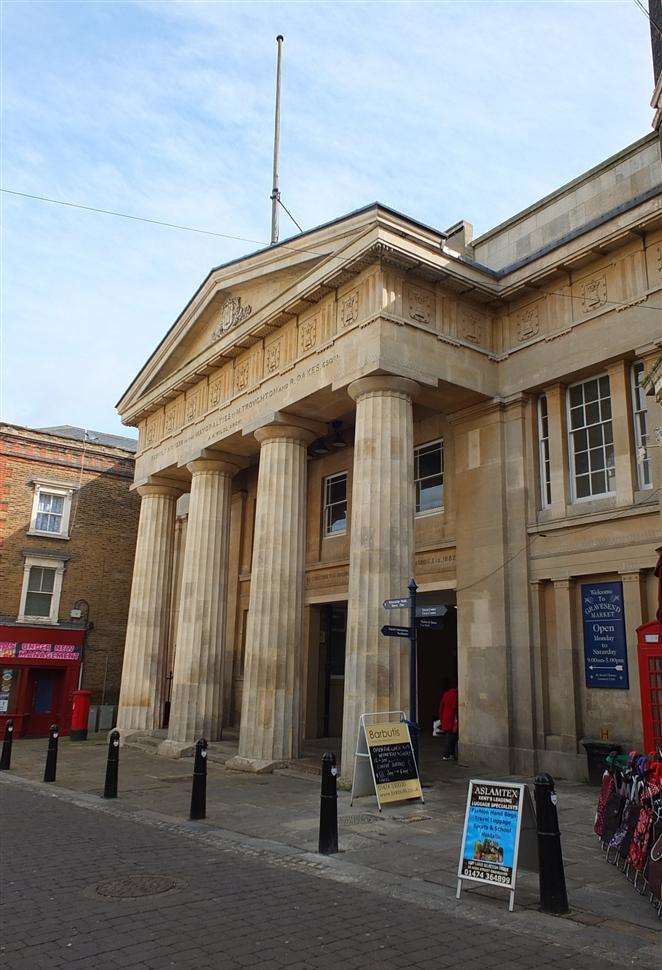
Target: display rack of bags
628 820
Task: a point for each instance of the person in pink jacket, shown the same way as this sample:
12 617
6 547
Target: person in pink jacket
448 723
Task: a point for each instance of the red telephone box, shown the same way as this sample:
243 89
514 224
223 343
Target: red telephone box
649 637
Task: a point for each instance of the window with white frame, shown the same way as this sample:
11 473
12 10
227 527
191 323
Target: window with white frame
640 418
51 510
591 439
543 446
429 477
335 504
42 586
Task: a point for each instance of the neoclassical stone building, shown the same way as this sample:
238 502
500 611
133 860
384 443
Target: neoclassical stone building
375 399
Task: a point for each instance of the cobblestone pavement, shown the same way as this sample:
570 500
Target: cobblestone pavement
224 911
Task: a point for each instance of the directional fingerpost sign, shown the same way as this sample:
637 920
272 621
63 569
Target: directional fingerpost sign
432 624
396 631
427 611
397 604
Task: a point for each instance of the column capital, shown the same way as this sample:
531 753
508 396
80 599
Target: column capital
383 384
156 486
281 424
219 462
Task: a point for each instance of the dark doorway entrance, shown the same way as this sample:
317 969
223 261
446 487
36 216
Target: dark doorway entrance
333 629
437 670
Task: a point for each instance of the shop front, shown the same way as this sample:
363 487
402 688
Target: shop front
39 672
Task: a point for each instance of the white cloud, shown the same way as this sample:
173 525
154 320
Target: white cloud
444 110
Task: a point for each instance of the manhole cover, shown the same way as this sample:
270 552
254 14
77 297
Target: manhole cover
130 887
357 819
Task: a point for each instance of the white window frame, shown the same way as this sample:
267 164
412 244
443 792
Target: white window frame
47 563
640 446
544 457
440 508
43 487
328 505
571 444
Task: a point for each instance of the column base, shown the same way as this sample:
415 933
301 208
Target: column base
490 758
257 766
176 749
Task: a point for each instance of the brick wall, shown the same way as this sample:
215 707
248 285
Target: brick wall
103 526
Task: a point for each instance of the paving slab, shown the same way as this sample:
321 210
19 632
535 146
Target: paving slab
407 851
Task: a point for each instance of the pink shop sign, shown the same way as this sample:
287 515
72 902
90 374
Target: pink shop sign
40 651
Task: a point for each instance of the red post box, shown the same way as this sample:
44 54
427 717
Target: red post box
80 712
650 681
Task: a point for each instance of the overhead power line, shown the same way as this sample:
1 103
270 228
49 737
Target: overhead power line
265 245
648 17
158 222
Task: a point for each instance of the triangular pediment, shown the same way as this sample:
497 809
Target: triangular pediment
224 310
232 296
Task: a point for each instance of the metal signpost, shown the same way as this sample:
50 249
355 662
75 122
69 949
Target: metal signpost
423 618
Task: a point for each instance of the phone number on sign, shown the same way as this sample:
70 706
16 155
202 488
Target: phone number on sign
486 876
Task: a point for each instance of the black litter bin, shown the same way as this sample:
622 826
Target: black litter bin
596 752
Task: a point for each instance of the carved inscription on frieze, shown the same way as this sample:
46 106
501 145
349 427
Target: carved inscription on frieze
231 315
527 322
419 304
326 577
435 562
349 309
593 293
472 325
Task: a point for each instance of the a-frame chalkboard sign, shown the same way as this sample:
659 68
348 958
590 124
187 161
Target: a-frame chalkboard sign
384 762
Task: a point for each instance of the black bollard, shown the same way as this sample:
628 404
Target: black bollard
5 757
328 838
112 765
199 788
51 757
553 894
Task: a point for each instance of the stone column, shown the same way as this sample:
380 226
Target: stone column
143 671
271 700
175 590
484 583
564 688
634 617
197 687
624 451
381 552
558 448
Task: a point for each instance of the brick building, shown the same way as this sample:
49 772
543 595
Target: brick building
67 538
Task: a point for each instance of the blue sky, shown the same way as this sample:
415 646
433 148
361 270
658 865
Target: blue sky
165 110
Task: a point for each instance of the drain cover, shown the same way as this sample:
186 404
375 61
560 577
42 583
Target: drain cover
130 887
357 819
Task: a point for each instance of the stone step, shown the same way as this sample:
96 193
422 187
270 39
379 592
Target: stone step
143 742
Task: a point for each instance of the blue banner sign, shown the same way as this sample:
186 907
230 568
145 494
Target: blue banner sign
605 649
